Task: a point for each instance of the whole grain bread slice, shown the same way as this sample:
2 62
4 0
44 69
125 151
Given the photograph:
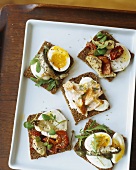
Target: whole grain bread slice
33 153
85 51
76 115
80 149
29 74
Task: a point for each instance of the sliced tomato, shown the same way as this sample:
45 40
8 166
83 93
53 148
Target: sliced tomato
106 65
116 52
91 45
61 141
34 132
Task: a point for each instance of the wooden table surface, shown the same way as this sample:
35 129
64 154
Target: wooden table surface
12 27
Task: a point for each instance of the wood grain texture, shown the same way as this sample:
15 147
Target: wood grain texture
12 27
110 4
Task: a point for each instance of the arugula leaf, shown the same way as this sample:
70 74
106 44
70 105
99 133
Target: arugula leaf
38 67
100 34
100 127
33 61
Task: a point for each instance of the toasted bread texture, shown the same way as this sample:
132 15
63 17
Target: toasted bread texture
33 153
80 149
85 52
63 74
76 115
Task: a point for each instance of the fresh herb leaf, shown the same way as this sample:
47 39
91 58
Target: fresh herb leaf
100 35
46 143
33 61
52 132
38 139
61 122
46 117
103 39
99 127
33 79
28 125
38 67
51 83
49 146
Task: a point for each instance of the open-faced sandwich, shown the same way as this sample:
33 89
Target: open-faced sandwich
100 146
49 67
47 133
105 55
85 96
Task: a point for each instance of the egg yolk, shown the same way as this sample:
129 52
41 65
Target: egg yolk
121 153
59 57
101 141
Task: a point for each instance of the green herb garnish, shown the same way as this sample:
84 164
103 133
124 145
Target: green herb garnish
103 39
100 52
33 61
38 139
49 146
51 83
52 132
28 125
38 67
100 35
90 130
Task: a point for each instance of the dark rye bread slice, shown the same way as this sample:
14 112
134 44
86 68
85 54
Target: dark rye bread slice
29 74
76 115
77 148
33 153
84 53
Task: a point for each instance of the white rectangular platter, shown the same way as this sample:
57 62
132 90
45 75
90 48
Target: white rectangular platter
33 99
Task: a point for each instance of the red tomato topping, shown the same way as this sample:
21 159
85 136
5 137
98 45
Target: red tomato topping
106 65
61 142
116 52
91 45
34 132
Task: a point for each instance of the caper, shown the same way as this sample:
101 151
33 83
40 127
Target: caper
81 153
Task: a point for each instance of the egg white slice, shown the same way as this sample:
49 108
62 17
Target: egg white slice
100 161
103 106
35 73
58 58
118 141
59 117
105 140
122 62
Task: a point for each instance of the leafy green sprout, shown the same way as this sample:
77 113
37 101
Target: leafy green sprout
51 83
29 124
90 130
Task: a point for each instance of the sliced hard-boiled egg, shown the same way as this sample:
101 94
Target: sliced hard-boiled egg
58 58
100 161
97 140
103 106
122 62
86 80
60 123
44 68
118 141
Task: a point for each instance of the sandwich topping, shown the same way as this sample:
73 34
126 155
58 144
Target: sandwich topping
106 56
101 146
50 66
48 132
85 96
